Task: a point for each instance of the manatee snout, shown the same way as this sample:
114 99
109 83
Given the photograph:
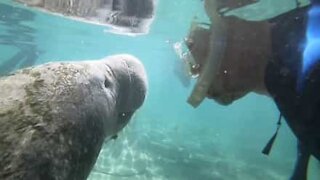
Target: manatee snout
132 86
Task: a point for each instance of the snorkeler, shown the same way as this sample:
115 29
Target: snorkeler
278 57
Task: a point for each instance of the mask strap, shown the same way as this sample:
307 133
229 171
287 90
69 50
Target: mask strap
266 150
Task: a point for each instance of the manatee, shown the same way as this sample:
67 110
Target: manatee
55 117
130 16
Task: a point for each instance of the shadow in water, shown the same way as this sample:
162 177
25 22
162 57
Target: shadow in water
19 36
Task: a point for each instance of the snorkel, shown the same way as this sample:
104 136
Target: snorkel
212 61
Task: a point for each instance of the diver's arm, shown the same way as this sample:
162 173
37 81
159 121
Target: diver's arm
301 167
315 2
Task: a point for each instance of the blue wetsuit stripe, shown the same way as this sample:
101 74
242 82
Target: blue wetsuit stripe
311 52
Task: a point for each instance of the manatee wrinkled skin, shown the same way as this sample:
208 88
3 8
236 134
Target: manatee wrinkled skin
55 117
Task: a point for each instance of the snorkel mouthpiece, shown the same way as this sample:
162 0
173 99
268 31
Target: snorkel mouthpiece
198 94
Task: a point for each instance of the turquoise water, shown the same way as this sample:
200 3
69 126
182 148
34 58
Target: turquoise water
167 138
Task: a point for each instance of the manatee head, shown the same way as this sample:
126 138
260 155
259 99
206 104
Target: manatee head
60 113
126 76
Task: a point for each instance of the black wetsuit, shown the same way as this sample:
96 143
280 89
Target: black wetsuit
301 109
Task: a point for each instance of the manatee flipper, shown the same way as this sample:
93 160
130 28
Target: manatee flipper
301 167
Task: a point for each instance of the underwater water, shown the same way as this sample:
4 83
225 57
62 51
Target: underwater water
167 138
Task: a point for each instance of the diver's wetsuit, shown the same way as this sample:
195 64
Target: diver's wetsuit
301 109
